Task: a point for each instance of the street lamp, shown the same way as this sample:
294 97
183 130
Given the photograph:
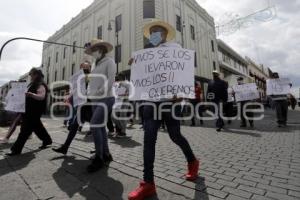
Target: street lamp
109 28
35 40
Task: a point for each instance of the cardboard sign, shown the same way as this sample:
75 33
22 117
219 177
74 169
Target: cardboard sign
15 99
246 92
77 100
162 73
280 86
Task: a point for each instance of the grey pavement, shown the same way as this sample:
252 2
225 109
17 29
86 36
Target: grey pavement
260 163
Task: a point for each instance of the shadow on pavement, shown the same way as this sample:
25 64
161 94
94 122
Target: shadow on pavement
12 164
126 142
200 189
91 186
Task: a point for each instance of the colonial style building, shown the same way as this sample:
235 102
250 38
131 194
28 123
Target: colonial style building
121 23
232 65
259 74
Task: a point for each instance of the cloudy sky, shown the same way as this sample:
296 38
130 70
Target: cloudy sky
275 44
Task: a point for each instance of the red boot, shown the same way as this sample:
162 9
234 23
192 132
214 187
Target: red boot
193 168
145 190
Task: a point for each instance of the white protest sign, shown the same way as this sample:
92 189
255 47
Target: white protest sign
246 92
162 73
280 86
15 99
77 100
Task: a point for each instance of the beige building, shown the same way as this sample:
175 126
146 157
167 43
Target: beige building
232 65
120 22
259 74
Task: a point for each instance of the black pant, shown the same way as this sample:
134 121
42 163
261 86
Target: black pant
72 132
281 107
248 114
110 124
200 110
30 124
151 127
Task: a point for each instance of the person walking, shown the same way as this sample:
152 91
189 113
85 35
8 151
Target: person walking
281 106
84 117
100 94
195 102
11 129
217 93
160 34
248 114
119 116
35 106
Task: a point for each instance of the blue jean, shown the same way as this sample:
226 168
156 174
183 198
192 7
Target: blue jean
99 119
151 126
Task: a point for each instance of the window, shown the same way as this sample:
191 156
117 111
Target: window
196 63
118 53
99 32
212 46
178 23
65 51
118 23
56 57
55 76
192 32
74 47
214 65
73 68
49 61
63 73
149 9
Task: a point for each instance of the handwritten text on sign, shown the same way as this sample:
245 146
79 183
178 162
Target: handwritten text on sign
15 99
161 73
280 86
246 92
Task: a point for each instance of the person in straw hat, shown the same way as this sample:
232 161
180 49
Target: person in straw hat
160 34
100 93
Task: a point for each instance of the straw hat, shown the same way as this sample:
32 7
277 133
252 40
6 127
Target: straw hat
156 22
97 43
216 72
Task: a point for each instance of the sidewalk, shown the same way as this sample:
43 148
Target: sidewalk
262 163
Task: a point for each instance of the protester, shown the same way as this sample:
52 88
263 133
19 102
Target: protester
242 107
119 116
217 93
195 102
84 117
159 34
229 106
12 128
100 93
281 106
35 106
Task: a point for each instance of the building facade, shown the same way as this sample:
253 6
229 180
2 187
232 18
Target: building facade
232 65
259 74
121 23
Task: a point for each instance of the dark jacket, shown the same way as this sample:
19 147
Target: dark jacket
217 91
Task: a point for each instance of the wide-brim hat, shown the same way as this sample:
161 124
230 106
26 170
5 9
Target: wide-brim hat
216 72
156 22
97 43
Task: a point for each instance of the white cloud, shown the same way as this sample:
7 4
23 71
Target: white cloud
274 44
31 18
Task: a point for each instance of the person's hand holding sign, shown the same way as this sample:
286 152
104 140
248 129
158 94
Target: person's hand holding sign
130 61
